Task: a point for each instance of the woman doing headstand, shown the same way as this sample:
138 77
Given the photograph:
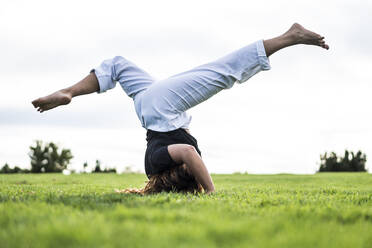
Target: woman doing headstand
173 160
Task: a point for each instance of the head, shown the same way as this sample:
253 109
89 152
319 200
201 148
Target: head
177 179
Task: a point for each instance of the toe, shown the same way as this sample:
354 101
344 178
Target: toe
35 102
39 102
325 46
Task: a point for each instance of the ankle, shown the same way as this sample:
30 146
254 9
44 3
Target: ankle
289 39
67 92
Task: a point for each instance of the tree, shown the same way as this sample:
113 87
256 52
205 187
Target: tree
98 168
85 167
48 157
6 169
349 162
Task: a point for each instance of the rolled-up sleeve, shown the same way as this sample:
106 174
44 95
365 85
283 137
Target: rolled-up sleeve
251 60
262 58
105 74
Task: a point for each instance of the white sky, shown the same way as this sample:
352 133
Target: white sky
310 102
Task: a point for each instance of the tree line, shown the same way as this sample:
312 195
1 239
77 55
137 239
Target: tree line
350 162
48 157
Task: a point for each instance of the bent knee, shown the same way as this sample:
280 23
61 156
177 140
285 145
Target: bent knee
118 58
120 61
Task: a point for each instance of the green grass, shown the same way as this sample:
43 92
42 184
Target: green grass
323 210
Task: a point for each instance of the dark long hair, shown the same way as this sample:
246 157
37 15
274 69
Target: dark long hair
177 179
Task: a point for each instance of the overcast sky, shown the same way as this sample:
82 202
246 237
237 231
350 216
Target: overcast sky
280 121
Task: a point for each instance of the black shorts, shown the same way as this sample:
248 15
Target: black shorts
157 158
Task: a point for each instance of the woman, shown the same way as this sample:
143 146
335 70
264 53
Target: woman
173 160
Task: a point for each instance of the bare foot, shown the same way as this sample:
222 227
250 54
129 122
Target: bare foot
300 35
54 100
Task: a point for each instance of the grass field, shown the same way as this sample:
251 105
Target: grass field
323 210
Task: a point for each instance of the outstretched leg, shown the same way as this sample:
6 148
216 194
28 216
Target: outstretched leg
118 69
164 104
62 97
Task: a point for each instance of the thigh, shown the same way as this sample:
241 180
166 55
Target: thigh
132 78
186 90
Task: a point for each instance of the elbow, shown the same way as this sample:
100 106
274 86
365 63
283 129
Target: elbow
188 151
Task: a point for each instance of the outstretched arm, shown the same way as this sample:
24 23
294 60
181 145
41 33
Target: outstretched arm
87 85
182 153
